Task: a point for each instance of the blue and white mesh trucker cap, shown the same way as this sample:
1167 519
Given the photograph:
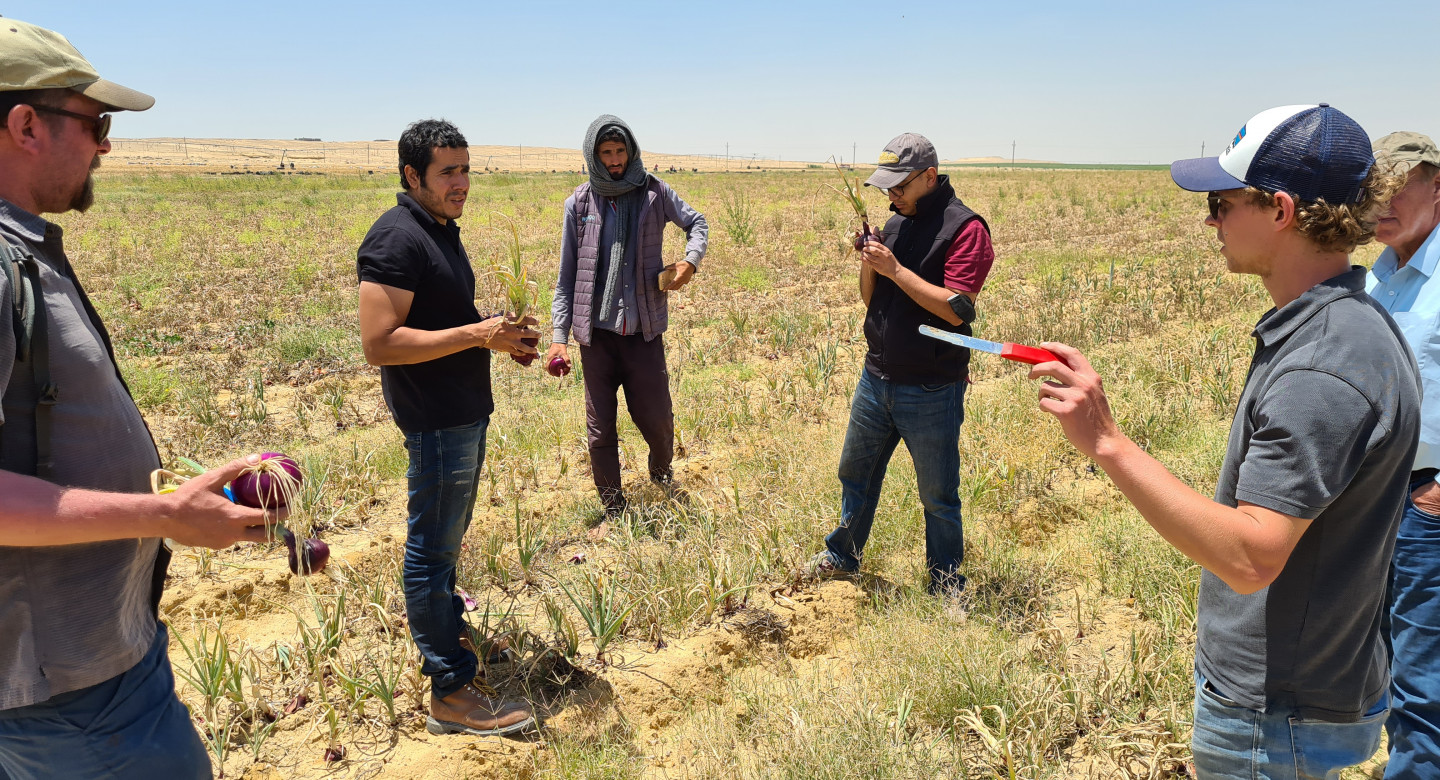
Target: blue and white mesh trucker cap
1311 152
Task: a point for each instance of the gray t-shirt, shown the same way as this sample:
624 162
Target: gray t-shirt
1326 429
75 615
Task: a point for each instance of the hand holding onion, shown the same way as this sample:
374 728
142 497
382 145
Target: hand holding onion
514 337
196 512
557 359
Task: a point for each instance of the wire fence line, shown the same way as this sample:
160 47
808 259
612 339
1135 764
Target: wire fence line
381 156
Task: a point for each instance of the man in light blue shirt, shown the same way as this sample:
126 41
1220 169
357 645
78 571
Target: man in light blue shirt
1403 281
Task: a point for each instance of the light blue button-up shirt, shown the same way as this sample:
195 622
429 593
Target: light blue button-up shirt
1412 296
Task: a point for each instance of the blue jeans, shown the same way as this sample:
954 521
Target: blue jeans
1233 741
1414 637
443 477
927 418
130 727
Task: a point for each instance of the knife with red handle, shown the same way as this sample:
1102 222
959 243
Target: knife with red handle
1008 350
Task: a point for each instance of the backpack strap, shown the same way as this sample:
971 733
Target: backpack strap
32 345
22 298
32 336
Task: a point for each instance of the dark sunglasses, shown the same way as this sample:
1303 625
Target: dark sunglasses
101 123
1213 200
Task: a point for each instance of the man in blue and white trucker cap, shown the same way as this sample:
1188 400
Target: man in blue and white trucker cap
1312 152
1291 672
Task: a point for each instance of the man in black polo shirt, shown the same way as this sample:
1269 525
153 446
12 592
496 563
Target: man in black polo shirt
1291 674
418 322
932 263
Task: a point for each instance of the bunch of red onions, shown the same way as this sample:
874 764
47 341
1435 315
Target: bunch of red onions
274 483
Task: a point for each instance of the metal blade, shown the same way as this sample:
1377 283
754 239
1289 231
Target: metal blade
961 339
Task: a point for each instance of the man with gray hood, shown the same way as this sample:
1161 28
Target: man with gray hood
611 292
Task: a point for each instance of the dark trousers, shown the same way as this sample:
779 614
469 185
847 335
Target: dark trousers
613 361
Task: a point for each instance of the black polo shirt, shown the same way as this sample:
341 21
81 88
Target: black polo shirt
409 249
1326 429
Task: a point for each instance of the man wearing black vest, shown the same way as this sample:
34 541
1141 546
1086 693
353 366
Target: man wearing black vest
927 269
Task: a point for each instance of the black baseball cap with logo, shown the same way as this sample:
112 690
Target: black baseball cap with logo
905 154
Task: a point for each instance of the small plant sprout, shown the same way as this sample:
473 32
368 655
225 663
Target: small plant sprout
603 607
852 194
519 289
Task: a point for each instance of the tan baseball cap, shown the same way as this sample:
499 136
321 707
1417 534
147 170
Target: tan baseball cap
36 58
1406 149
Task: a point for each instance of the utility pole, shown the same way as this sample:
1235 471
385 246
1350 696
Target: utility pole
522 158
1012 152
727 155
853 146
1202 148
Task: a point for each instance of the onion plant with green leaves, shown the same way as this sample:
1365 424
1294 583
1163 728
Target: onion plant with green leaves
604 610
515 282
851 193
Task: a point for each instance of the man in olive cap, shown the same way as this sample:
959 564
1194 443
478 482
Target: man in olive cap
1402 280
926 270
85 684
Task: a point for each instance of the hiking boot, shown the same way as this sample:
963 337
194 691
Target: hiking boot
469 711
825 566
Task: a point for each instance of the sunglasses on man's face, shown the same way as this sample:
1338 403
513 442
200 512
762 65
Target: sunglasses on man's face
100 123
899 189
1214 201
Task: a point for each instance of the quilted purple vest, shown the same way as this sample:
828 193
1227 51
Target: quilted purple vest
653 302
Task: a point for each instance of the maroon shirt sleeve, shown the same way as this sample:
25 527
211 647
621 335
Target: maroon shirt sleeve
969 259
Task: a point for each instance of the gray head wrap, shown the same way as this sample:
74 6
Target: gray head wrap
623 192
600 181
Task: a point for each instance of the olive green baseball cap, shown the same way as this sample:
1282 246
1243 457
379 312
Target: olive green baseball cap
1405 150
36 58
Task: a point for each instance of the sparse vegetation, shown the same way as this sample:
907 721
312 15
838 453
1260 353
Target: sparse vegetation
686 643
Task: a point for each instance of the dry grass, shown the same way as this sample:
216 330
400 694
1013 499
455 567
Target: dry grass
231 302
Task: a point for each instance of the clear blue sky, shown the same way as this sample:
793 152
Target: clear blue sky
1081 82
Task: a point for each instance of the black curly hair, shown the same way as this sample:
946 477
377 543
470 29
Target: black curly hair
420 139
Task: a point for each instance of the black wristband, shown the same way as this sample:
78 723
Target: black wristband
963 307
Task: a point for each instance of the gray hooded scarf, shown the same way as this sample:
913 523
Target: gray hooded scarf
623 191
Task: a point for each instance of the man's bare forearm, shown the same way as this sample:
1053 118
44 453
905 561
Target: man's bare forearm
36 513
867 283
933 298
1244 550
406 346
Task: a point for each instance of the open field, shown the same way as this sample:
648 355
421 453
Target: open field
177 155
248 155
686 643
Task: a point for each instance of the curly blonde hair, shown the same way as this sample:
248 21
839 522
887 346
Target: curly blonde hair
1342 227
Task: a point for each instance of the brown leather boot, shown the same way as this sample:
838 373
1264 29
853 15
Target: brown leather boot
468 711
